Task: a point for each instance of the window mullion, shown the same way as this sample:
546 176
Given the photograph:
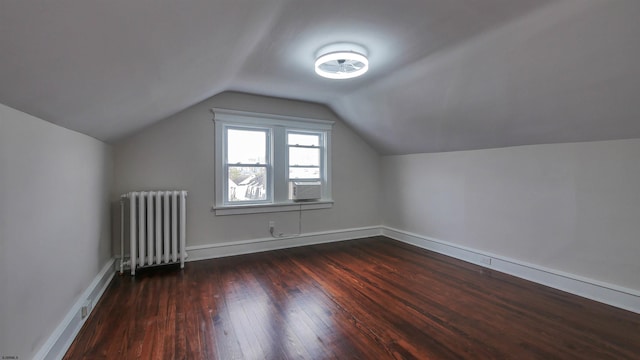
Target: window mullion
280 161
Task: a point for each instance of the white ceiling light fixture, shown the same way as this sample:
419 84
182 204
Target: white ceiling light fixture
341 61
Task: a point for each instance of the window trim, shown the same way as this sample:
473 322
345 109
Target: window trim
279 126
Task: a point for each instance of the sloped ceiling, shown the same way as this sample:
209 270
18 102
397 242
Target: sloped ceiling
445 75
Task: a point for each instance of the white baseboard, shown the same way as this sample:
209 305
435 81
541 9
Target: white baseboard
610 294
58 343
211 251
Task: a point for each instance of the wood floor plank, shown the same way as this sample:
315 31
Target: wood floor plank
371 298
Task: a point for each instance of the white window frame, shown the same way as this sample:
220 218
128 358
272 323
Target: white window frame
268 164
278 170
321 147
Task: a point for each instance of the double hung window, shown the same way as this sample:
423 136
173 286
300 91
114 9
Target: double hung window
258 156
247 165
305 155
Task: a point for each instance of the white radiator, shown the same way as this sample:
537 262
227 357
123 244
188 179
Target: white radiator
156 228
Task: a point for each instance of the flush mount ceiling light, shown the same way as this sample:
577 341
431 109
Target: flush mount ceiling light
341 61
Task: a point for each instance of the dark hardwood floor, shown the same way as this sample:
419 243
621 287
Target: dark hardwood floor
364 299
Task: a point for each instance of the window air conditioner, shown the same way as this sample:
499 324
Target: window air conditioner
305 190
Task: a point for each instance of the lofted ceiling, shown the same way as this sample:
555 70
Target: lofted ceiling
444 75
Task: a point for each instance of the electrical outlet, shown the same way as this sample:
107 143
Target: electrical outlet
86 308
486 260
272 225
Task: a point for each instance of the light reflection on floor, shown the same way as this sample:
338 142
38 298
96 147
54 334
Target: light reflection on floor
300 328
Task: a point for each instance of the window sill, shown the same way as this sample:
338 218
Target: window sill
270 208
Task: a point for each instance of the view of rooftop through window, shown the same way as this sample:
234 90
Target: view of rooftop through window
247 164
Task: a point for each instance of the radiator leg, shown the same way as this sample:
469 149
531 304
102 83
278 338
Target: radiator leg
183 230
132 233
121 236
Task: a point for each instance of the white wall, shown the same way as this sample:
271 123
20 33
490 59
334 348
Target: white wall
571 207
54 225
178 153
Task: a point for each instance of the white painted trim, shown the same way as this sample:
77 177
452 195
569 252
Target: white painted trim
254 118
269 208
211 251
610 294
59 341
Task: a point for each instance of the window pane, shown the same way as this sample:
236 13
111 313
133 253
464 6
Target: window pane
304 156
304 173
247 183
246 146
303 139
